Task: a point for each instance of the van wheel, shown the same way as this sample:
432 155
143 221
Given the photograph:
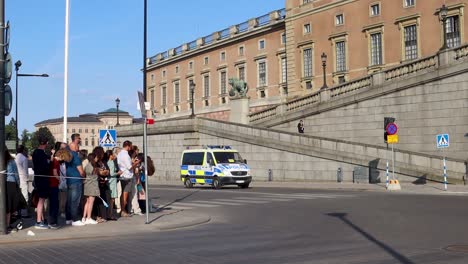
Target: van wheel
217 183
188 183
244 186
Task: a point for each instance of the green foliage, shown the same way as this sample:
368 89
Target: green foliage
26 139
10 130
42 132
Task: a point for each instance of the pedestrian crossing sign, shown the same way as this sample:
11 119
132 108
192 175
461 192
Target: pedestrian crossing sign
443 141
107 138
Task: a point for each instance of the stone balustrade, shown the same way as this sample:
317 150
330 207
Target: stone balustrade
244 27
263 114
342 90
409 69
350 86
303 101
461 52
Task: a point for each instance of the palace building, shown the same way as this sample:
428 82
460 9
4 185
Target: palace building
284 54
88 126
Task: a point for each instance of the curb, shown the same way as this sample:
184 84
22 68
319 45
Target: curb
141 229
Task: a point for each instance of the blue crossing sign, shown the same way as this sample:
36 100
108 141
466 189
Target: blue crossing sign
443 141
107 138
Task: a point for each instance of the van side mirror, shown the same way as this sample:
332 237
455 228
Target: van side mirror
245 161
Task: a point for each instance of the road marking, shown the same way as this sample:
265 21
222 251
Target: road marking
218 202
170 206
274 199
243 201
196 204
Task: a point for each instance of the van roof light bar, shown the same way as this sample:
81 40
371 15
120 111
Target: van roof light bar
218 147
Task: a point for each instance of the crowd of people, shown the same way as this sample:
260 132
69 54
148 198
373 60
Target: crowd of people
84 188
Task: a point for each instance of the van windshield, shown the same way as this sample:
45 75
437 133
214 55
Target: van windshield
228 157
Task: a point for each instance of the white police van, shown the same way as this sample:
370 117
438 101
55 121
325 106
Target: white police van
214 165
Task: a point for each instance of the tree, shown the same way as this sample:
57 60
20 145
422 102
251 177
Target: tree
26 139
10 130
42 132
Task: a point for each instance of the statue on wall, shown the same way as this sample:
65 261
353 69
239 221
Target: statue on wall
239 88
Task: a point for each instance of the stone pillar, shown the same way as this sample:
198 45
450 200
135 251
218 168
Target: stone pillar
446 57
233 30
325 95
239 110
253 23
200 42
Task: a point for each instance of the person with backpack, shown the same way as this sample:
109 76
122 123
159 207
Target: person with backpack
140 171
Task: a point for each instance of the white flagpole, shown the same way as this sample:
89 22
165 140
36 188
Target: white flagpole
65 72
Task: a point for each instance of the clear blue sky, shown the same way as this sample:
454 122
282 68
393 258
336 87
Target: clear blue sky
106 47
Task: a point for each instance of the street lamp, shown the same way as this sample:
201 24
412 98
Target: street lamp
443 16
117 103
324 65
192 92
17 66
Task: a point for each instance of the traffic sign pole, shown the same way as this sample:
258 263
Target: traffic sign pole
445 174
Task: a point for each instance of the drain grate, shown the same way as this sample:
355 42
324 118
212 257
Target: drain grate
457 248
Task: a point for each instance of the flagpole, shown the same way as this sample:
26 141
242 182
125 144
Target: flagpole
65 72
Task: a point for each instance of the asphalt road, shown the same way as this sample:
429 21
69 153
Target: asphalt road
262 225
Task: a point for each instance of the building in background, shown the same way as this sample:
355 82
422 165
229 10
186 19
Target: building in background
279 54
87 125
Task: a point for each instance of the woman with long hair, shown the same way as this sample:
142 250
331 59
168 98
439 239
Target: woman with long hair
93 170
12 187
60 157
112 183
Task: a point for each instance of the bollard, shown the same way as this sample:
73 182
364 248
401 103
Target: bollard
339 175
270 175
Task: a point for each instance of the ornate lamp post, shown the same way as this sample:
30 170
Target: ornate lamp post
117 103
443 17
192 92
324 66
17 66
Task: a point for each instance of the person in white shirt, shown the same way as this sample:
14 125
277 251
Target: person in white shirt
126 165
21 160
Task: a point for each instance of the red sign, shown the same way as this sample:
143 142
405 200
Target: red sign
391 129
150 121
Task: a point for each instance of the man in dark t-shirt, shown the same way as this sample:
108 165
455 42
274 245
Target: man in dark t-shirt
41 164
300 127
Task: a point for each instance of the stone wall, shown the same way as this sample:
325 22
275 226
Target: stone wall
289 156
421 113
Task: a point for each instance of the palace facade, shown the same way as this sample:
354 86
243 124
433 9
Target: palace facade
292 52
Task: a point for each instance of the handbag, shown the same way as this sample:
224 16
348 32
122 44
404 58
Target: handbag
62 179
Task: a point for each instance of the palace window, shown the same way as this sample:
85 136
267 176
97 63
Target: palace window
283 70
307 28
241 70
261 44
376 49
411 42
375 10
340 56
222 78
164 96
307 60
176 93
453 31
206 85
262 74
339 19
409 3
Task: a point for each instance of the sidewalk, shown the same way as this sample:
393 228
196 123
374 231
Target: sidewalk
159 221
406 187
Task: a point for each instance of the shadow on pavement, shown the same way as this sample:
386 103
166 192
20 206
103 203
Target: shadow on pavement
401 258
168 206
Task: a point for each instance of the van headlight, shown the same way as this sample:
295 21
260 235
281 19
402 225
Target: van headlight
227 173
